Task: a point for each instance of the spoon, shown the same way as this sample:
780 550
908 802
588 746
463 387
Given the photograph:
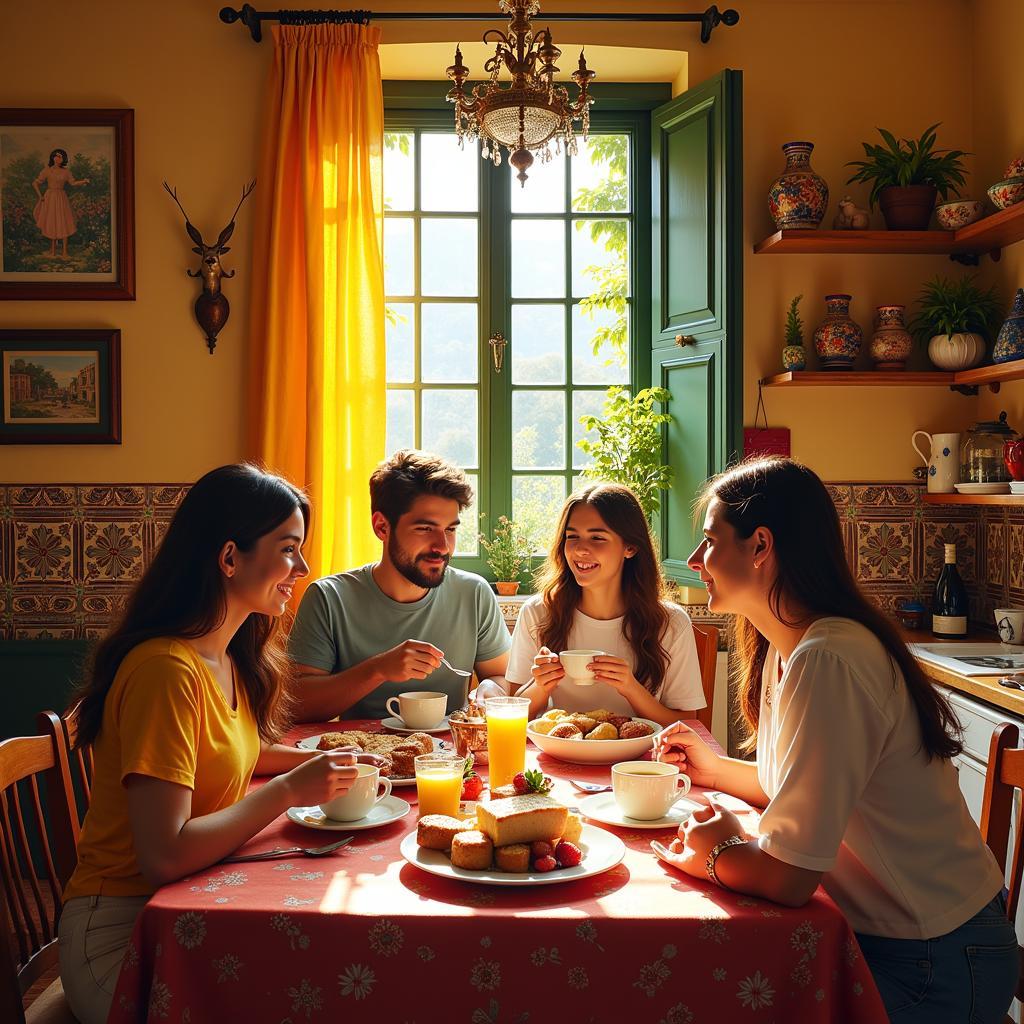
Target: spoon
452 668
591 787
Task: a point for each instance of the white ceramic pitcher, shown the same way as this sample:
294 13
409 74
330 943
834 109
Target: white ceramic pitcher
943 460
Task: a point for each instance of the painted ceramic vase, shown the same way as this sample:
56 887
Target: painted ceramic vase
837 339
798 198
794 357
1010 340
891 343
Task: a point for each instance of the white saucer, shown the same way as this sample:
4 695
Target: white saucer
602 807
397 725
1017 486
982 488
390 809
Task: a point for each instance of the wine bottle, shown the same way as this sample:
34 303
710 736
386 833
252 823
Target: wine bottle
949 608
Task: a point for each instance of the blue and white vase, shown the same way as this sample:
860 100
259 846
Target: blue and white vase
1010 339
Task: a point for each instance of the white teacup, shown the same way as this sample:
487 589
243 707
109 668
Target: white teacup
645 790
575 665
1010 624
361 798
423 709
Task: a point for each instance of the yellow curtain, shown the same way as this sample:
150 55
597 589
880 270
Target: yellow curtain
318 378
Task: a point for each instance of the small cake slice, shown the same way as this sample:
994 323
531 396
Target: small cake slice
503 792
514 857
436 831
521 819
472 850
573 827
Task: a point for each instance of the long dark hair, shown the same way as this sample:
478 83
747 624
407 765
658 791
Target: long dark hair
813 575
181 594
643 585
63 153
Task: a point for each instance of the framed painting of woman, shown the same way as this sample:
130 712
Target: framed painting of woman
67 204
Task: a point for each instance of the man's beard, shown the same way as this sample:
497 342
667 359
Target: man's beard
409 568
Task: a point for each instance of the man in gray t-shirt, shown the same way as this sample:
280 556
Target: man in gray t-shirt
365 635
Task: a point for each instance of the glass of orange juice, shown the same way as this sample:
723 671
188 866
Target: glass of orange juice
439 783
506 738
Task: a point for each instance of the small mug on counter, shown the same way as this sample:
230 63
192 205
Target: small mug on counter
1010 624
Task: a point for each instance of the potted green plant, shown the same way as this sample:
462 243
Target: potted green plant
508 553
627 447
954 318
906 174
794 356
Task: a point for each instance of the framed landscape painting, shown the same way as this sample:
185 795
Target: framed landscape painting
67 204
60 387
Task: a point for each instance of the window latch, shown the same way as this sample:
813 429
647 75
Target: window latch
498 341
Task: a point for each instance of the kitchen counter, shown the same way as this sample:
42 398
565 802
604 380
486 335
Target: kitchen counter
985 688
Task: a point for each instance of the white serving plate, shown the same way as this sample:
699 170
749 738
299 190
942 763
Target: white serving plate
594 751
602 807
601 851
310 742
390 809
982 488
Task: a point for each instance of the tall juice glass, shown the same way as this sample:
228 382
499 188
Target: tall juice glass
506 738
439 783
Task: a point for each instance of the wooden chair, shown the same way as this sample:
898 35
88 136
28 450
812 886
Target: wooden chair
706 638
1005 773
63 731
37 856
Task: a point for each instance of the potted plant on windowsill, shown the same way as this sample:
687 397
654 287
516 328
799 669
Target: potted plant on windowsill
906 174
954 318
508 553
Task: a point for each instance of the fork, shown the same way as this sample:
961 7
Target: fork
452 668
316 851
591 787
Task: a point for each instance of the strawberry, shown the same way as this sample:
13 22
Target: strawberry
472 784
540 849
519 781
568 854
547 863
532 781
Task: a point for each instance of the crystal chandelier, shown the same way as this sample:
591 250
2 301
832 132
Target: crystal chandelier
532 110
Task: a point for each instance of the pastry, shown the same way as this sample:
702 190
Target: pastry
436 831
566 731
604 731
332 740
514 857
472 850
634 730
599 715
387 766
422 740
521 819
503 792
582 722
619 720
404 756
543 725
573 827
554 714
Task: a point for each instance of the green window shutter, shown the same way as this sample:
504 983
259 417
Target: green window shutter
697 266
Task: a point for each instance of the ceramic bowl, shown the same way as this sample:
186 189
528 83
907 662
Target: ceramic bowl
1015 168
1005 194
958 213
594 751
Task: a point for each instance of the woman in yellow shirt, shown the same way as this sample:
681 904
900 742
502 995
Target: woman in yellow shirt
185 701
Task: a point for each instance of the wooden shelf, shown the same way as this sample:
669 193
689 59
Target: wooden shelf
858 379
1016 500
1013 370
988 235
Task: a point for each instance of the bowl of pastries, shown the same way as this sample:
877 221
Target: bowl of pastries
592 737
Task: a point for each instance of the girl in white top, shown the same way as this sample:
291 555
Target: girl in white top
853 768
602 589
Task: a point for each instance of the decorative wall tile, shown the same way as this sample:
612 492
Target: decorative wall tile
1016 555
884 550
995 554
42 551
936 534
112 549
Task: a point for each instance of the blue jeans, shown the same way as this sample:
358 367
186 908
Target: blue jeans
966 977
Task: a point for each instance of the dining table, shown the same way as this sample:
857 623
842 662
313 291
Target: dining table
363 935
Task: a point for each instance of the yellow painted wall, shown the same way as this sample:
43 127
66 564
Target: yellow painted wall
824 70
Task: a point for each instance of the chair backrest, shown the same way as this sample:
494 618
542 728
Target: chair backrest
1005 774
63 731
37 856
706 638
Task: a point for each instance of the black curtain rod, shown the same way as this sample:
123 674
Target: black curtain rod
253 19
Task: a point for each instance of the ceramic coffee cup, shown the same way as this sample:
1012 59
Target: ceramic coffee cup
1010 624
422 709
364 795
575 665
645 790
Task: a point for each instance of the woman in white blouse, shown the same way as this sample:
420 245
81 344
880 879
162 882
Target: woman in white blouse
853 767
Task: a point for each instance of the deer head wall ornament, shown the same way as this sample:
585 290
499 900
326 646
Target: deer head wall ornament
211 308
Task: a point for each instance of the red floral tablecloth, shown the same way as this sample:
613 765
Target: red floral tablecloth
363 936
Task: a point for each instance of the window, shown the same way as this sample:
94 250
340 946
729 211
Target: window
552 268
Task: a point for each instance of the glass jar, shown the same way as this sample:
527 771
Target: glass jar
981 454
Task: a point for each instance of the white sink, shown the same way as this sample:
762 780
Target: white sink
987 659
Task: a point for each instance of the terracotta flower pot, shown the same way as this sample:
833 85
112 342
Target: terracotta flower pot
506 588
907 207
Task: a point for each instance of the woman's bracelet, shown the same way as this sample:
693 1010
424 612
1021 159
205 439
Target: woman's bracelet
709 864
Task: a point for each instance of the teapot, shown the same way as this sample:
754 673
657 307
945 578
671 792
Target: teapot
983 452
1013 458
